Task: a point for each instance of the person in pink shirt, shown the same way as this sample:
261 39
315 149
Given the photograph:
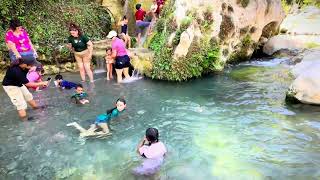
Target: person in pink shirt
120 54
19 43
35 75
153 150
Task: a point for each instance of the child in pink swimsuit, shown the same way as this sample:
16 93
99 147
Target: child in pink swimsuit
35 75
153 150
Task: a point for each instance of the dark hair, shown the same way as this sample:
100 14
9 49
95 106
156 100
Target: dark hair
79 85
14 23
73 26
138 6
124 17
108 48
58 77
109 111
152 135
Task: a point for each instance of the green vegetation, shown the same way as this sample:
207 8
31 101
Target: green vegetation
47 23
244 3
244 46
203 55
286 4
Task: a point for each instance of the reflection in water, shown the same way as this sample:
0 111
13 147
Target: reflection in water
229 126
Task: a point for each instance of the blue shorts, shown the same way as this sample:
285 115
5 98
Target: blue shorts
140 25
25 55
122 62
102 118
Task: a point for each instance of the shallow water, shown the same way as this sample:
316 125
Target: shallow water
227 126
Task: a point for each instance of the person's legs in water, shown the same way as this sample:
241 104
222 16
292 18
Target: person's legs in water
111 70
81 67
28 97
77 126
108 71
87 63
104 127
126 72
119 75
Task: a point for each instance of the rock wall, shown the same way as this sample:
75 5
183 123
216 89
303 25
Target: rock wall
234 28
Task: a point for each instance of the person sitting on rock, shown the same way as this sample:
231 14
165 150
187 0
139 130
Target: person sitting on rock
80 96
124 31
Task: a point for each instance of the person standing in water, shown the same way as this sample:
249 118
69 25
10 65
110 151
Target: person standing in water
82 48
15 84
120 54
153 151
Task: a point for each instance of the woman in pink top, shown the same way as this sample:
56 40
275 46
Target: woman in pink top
119 53
153 150
19 43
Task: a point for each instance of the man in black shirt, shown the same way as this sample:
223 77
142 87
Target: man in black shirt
15 82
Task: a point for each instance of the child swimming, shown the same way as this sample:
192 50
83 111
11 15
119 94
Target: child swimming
80 96
153 150
59 82
109 62
101 121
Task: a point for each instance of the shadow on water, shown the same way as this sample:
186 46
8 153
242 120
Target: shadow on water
233 125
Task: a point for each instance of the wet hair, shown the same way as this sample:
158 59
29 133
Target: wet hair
124 17
152 135
109 111
73 26
79 85
14 23
138 6
58 77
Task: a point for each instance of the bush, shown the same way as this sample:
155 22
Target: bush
47 22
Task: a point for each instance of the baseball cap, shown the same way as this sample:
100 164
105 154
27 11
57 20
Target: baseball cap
112 34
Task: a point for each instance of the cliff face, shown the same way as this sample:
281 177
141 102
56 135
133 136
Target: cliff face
206 34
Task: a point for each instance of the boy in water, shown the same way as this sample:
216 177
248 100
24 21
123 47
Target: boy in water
101 121
59 82
109 62
80 96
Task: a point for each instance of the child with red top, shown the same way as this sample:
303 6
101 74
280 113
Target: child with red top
140 24
160 4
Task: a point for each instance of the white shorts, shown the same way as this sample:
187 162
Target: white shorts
19 96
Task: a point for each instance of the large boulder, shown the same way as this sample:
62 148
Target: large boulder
300 31
306 87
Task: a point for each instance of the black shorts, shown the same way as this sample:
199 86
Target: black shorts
122 62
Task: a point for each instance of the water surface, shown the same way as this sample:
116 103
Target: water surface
232 125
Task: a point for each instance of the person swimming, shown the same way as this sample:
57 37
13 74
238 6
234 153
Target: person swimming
80 97
153 151
101 121
59 82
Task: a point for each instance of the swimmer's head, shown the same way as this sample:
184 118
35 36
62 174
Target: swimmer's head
79 88
58 77
121 104
152 135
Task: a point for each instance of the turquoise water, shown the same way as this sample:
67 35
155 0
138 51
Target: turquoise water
232 125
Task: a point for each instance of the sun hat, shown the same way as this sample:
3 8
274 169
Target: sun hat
112 34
